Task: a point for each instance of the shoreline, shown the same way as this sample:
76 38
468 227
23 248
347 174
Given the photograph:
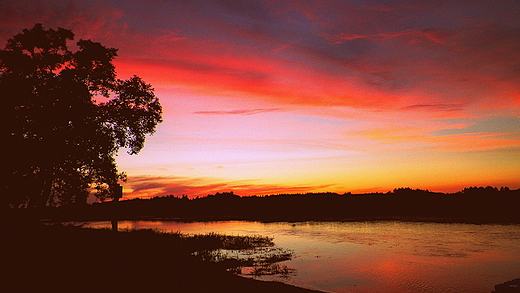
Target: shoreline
71 259
440 220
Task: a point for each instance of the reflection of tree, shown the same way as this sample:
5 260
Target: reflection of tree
64 117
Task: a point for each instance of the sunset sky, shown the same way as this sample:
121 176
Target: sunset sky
286 96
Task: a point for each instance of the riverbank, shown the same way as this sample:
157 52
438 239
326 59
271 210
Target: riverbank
71 259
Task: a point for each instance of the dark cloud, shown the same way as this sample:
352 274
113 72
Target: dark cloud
250 9
87 19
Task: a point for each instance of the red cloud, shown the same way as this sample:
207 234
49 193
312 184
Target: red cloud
370 66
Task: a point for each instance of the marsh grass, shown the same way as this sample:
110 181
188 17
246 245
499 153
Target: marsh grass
230 242
248 255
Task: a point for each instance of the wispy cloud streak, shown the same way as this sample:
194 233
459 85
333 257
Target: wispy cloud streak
434 107
239 111
433 34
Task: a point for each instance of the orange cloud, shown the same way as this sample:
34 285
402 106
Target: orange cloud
151 186
408 134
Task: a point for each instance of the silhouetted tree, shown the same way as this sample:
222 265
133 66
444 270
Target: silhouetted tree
64 117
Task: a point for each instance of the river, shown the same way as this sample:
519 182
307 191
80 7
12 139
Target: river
379 256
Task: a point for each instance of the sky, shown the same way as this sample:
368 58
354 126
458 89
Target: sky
292 96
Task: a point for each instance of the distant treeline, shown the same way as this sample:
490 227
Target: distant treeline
471 205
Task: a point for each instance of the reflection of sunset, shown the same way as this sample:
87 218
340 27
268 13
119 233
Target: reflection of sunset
284 97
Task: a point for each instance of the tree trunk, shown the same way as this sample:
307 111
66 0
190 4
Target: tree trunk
43 195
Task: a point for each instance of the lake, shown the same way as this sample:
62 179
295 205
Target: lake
379 256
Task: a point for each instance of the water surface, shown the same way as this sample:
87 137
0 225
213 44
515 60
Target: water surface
379 256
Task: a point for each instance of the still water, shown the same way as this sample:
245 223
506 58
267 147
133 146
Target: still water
379 256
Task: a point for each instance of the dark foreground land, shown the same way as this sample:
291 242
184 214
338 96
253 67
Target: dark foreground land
38 258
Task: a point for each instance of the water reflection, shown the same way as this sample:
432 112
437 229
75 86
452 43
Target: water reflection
381 256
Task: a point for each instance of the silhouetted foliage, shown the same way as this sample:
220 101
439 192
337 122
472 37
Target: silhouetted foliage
64 117
474 205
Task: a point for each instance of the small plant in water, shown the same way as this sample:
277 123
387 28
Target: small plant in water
269 269
252 255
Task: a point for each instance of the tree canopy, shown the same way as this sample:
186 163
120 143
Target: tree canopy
64 117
